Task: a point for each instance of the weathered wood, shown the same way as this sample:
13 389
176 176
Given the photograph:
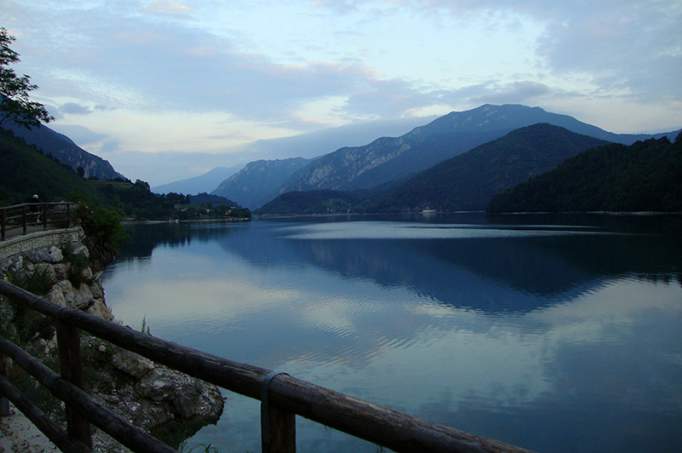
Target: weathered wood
53 432
383 426
111 423
4 402
278 431
277 426
3 216
68 342
21 216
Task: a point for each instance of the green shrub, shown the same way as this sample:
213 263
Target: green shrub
36 282
103 225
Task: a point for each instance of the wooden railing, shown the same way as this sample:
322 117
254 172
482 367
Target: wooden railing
282 397
21 218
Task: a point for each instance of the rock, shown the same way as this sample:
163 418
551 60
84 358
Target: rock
132 364
189 397
51 255
61 271
81 250
99 308
62 294
83 299
56 296
97 289
86 274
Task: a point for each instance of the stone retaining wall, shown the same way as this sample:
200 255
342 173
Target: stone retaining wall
39 240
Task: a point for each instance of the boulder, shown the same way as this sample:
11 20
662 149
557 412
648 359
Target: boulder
61 271
51 255
81 250
132 364
189 397
86 274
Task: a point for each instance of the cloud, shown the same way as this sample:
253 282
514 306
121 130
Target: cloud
73 108
165 65
79 134
168 7
132 65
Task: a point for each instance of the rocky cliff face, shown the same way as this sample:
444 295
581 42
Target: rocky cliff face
63 149
259 181
149 395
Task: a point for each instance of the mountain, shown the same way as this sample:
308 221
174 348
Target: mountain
468 182
63 149
259 181
26 171
389 158
209 199
198 184
312 202
646 176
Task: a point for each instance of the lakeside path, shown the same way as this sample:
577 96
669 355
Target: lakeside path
18 435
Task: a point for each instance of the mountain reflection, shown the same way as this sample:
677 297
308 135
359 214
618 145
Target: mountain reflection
528 271
524 333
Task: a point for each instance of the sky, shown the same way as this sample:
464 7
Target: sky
197 82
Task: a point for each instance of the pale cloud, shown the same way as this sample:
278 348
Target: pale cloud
168 7
73 108
172 76
174 130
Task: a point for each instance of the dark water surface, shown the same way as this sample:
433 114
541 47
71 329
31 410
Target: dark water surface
556 334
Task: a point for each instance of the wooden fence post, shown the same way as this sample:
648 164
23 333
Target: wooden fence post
68 215
277 426
278 435
68 341
44 217
23 219
2 224
4 402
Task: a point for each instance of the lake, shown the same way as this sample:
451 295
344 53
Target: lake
559 334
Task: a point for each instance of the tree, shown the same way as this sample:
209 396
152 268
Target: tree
15 103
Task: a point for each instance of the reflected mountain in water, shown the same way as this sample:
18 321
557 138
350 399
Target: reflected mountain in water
536 267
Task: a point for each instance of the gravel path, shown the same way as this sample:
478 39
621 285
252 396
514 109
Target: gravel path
17 434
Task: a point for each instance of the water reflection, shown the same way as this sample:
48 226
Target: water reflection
558 338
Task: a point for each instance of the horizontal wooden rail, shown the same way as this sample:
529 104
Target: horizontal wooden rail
25 215
53 432
108 421
46 203
373 423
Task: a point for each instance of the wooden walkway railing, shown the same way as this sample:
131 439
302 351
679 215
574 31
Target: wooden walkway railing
282 397
19 219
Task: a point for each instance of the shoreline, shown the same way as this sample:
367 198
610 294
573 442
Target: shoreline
442 213
211 220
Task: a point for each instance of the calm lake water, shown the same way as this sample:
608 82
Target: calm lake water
557 334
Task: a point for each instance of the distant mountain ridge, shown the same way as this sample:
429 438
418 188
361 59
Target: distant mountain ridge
259 181
62 148
466 182
646 176
390 158
207 182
